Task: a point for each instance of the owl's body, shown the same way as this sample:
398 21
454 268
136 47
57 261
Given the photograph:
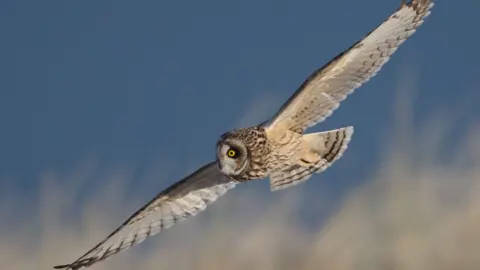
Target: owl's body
286 156
278 148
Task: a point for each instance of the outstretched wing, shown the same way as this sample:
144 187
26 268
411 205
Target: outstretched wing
181 200
323 91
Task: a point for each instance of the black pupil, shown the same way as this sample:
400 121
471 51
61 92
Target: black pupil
232 152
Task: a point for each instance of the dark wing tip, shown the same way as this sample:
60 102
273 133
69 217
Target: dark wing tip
71 266
77 264
416 4
62 266
419 4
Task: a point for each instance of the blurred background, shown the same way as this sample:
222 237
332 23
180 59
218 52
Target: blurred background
105 103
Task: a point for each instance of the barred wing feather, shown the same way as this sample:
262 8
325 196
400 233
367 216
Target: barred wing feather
186 198
322 92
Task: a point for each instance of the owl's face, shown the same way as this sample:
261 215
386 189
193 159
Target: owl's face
232 156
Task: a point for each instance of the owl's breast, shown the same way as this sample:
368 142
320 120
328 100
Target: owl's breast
258 152
283 148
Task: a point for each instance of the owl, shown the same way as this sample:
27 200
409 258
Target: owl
278 148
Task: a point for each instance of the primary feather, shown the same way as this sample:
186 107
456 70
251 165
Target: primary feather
183 199
323 91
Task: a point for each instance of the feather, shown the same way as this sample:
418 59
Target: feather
322 92
185 198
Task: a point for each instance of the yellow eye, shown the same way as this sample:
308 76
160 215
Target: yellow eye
231 153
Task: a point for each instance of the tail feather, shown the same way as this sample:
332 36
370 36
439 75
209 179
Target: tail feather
326 147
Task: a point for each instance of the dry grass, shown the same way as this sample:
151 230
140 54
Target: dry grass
416 213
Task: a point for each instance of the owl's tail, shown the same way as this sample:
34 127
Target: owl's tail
321 150
329 145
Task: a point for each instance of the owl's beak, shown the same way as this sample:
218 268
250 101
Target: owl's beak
219 164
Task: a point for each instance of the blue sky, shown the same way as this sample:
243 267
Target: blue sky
147 83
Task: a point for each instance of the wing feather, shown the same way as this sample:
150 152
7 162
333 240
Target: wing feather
322 92
185 198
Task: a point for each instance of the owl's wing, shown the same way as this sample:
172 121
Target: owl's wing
322 92
181 200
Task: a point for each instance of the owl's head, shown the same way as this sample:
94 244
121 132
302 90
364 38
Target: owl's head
232 154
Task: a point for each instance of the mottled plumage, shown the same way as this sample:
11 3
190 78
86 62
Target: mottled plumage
253 146
278 148
323 149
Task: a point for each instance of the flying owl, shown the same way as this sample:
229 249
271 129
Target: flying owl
277 148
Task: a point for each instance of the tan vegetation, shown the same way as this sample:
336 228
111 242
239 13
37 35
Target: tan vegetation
420 210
